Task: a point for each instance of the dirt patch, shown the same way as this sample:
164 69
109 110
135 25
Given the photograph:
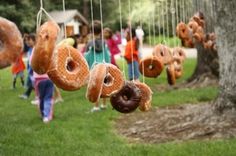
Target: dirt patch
186 122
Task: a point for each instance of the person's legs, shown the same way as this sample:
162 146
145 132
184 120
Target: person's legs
14 81
21 74
130 71
136 70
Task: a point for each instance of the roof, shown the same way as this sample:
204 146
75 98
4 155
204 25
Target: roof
63 17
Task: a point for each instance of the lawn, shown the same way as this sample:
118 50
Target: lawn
75 131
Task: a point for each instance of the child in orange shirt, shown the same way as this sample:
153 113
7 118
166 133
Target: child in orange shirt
18 70
131 55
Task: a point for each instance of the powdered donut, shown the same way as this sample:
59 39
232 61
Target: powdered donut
146 96
11 43
68 69
95 84
163 53
170 70
127 99
113 80
179 53
151 66
45 44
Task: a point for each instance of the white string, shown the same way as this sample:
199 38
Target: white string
149 32
39 15
153 20
103 51
132 57
177 20
167 22
121 34
163 22
159 24
64 13
93 37
173 18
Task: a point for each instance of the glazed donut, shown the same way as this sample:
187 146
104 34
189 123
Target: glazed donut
127 99
170 71
95 84
146 96
199 35
11 43
182 30
163 53
151 66
178 67
113 80
193 25
199 21
45 44
68 69
187 43
179 53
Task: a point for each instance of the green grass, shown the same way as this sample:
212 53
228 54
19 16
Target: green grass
74 131
169 41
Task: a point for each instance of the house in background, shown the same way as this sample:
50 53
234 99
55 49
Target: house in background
72 21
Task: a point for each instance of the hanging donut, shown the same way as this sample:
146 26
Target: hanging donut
178 67
193 25
199 35
179 53
151 66
163 53
68 69
182 31
146 96
127 99
11 43
188 43
113 80
95 83
170 71
45 44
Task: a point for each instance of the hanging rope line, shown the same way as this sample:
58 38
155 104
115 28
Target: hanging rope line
93 37
64 13
132 50
163 22
167 23
39 15
153 22
173 18
121 34
101 16
159 23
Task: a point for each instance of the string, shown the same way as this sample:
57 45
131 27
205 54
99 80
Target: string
167 23
121 34
39 15
177 19
132 57
163 22
173 18
103 51
93 37
149 32
159 23
64 13
153 20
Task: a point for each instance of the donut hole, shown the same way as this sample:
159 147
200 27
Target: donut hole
162 53
151 66
71 65
108 80
126 95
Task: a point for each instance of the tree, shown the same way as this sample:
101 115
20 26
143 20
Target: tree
226 41
207 60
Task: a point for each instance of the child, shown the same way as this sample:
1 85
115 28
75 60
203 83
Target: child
131 55
18 70
30 41
95 54
112 43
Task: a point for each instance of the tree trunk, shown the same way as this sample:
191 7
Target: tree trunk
207 60
86 9
226 42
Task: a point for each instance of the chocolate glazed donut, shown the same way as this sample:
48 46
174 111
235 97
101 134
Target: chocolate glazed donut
127 99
